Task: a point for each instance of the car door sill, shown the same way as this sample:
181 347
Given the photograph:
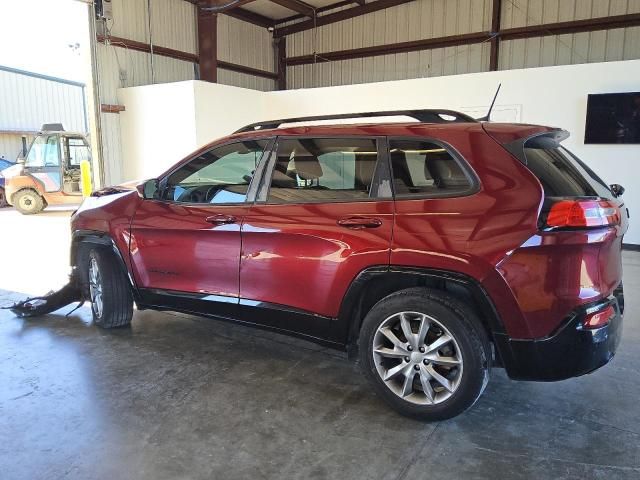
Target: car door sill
265 315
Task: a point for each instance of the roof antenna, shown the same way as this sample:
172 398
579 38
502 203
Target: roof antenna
487 117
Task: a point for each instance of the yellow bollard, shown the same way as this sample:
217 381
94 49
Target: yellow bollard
85 177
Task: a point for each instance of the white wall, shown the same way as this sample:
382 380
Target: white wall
158 127
553 96
165 122
222 109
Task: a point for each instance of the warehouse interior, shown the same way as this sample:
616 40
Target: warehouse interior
176 395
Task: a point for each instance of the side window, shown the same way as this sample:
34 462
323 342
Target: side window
323 169
221 175
424 169
76 151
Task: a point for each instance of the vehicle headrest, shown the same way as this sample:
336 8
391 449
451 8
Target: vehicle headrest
307 167
443 171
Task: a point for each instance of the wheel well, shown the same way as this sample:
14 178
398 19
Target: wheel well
370 289
80 248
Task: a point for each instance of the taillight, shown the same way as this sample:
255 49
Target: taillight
582 214
600 318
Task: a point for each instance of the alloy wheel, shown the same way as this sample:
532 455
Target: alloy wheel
417 358
95 287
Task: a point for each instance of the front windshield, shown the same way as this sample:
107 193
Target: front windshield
44 152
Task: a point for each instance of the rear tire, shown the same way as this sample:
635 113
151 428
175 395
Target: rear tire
109 291
425 353
28 202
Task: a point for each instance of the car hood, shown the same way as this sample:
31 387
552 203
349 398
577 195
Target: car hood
115 189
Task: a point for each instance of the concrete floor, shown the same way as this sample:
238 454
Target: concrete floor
179 397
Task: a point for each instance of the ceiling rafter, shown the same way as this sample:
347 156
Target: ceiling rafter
299 6
326 8
244 15
338 16
233 8
251 17
221 6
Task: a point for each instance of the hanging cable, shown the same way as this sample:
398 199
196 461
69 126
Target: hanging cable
153 74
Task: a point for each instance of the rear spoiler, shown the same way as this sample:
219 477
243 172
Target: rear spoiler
514 137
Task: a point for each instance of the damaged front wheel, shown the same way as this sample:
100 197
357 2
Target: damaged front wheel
109 292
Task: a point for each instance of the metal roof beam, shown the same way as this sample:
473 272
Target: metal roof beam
221 6
297 6
338 16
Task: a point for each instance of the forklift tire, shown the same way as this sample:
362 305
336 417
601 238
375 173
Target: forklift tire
3 198
28 202
109 291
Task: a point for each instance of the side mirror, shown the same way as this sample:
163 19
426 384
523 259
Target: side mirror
616 189
148 189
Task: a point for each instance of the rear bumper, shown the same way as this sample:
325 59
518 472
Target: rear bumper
572 351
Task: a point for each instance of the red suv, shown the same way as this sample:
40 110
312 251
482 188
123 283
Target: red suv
434 249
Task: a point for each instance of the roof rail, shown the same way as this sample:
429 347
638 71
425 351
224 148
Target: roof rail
423 116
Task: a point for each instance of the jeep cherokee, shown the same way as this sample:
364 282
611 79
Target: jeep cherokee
433 250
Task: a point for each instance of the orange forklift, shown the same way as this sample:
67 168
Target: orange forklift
50 174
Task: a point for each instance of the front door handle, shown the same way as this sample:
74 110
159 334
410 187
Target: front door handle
221 219
358 223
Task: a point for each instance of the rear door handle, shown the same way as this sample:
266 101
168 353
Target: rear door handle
221 219
357 223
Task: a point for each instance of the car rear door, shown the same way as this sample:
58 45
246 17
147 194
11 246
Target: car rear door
185 244
324 213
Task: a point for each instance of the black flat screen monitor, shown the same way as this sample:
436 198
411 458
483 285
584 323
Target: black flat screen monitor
613 118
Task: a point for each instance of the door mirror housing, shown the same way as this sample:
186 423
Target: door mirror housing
148 189
616 189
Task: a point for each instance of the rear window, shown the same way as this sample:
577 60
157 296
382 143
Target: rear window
561 173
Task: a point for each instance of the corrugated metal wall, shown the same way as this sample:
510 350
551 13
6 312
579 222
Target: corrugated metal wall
11 145
618 44
424 19
173 26
245 44
26 102
412 21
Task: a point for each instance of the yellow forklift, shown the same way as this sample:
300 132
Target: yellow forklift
55 171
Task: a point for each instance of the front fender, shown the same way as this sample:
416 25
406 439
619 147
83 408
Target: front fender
83 240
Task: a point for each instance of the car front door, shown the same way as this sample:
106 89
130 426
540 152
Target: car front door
185 243
323 214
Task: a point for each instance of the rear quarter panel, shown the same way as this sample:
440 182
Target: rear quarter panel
473 234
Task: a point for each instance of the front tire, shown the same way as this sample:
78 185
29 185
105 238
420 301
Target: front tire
424 353
109 291
3 198
28 202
